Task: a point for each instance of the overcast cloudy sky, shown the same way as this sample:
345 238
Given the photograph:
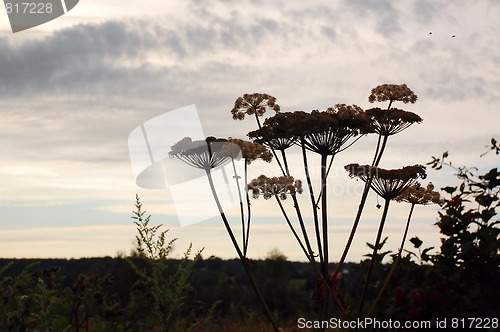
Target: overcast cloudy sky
72 90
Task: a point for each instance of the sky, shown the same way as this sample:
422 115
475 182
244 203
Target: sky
73 90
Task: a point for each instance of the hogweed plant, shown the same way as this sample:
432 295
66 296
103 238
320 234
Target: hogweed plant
324 134
207 155
386 123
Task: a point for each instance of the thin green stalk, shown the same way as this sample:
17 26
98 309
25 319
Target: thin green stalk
240 255
393 269
374 257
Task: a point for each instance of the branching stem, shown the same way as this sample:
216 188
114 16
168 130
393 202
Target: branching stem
241 256
374 257
394 265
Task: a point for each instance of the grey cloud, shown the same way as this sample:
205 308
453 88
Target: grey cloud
329 32
85 53
425 10
453 86
384 13
96 58
87 57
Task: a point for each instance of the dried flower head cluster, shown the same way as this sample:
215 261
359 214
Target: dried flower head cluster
249 151
275 186
352 116
204 154
321 132
392 92
387 183
256 103
276 132
327 132
392 121
417 194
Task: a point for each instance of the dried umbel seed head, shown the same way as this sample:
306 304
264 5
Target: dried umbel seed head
249 151
392 92
352 116
277 132
387 183
392 121
417 194
321 132
204 154
275 186
256 103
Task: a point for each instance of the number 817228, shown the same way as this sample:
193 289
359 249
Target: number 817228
29 8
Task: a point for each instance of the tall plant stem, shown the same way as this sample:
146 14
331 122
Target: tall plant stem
375 159
377 149
309 253
310 258
382 148
242 213
299 214
394 265
249 208
240 255
302 225
331 163
327 172
297 237
361 206
324 214
324 226
313 202
374 257
283 155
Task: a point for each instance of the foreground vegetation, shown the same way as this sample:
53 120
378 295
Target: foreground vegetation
107 294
